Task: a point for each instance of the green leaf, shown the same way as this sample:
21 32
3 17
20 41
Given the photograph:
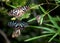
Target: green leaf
43 28
57 1
58 18
26 15
43 10
37 37
53 22
34 6
49 25
49 32
16 3
31 19
53 37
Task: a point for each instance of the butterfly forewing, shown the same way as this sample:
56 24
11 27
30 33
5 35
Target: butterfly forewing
18 12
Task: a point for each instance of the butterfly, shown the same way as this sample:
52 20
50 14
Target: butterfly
18 12
17 26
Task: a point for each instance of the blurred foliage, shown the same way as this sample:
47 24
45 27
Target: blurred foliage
45 31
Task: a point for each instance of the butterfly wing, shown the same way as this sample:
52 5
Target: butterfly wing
16 33
18 12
